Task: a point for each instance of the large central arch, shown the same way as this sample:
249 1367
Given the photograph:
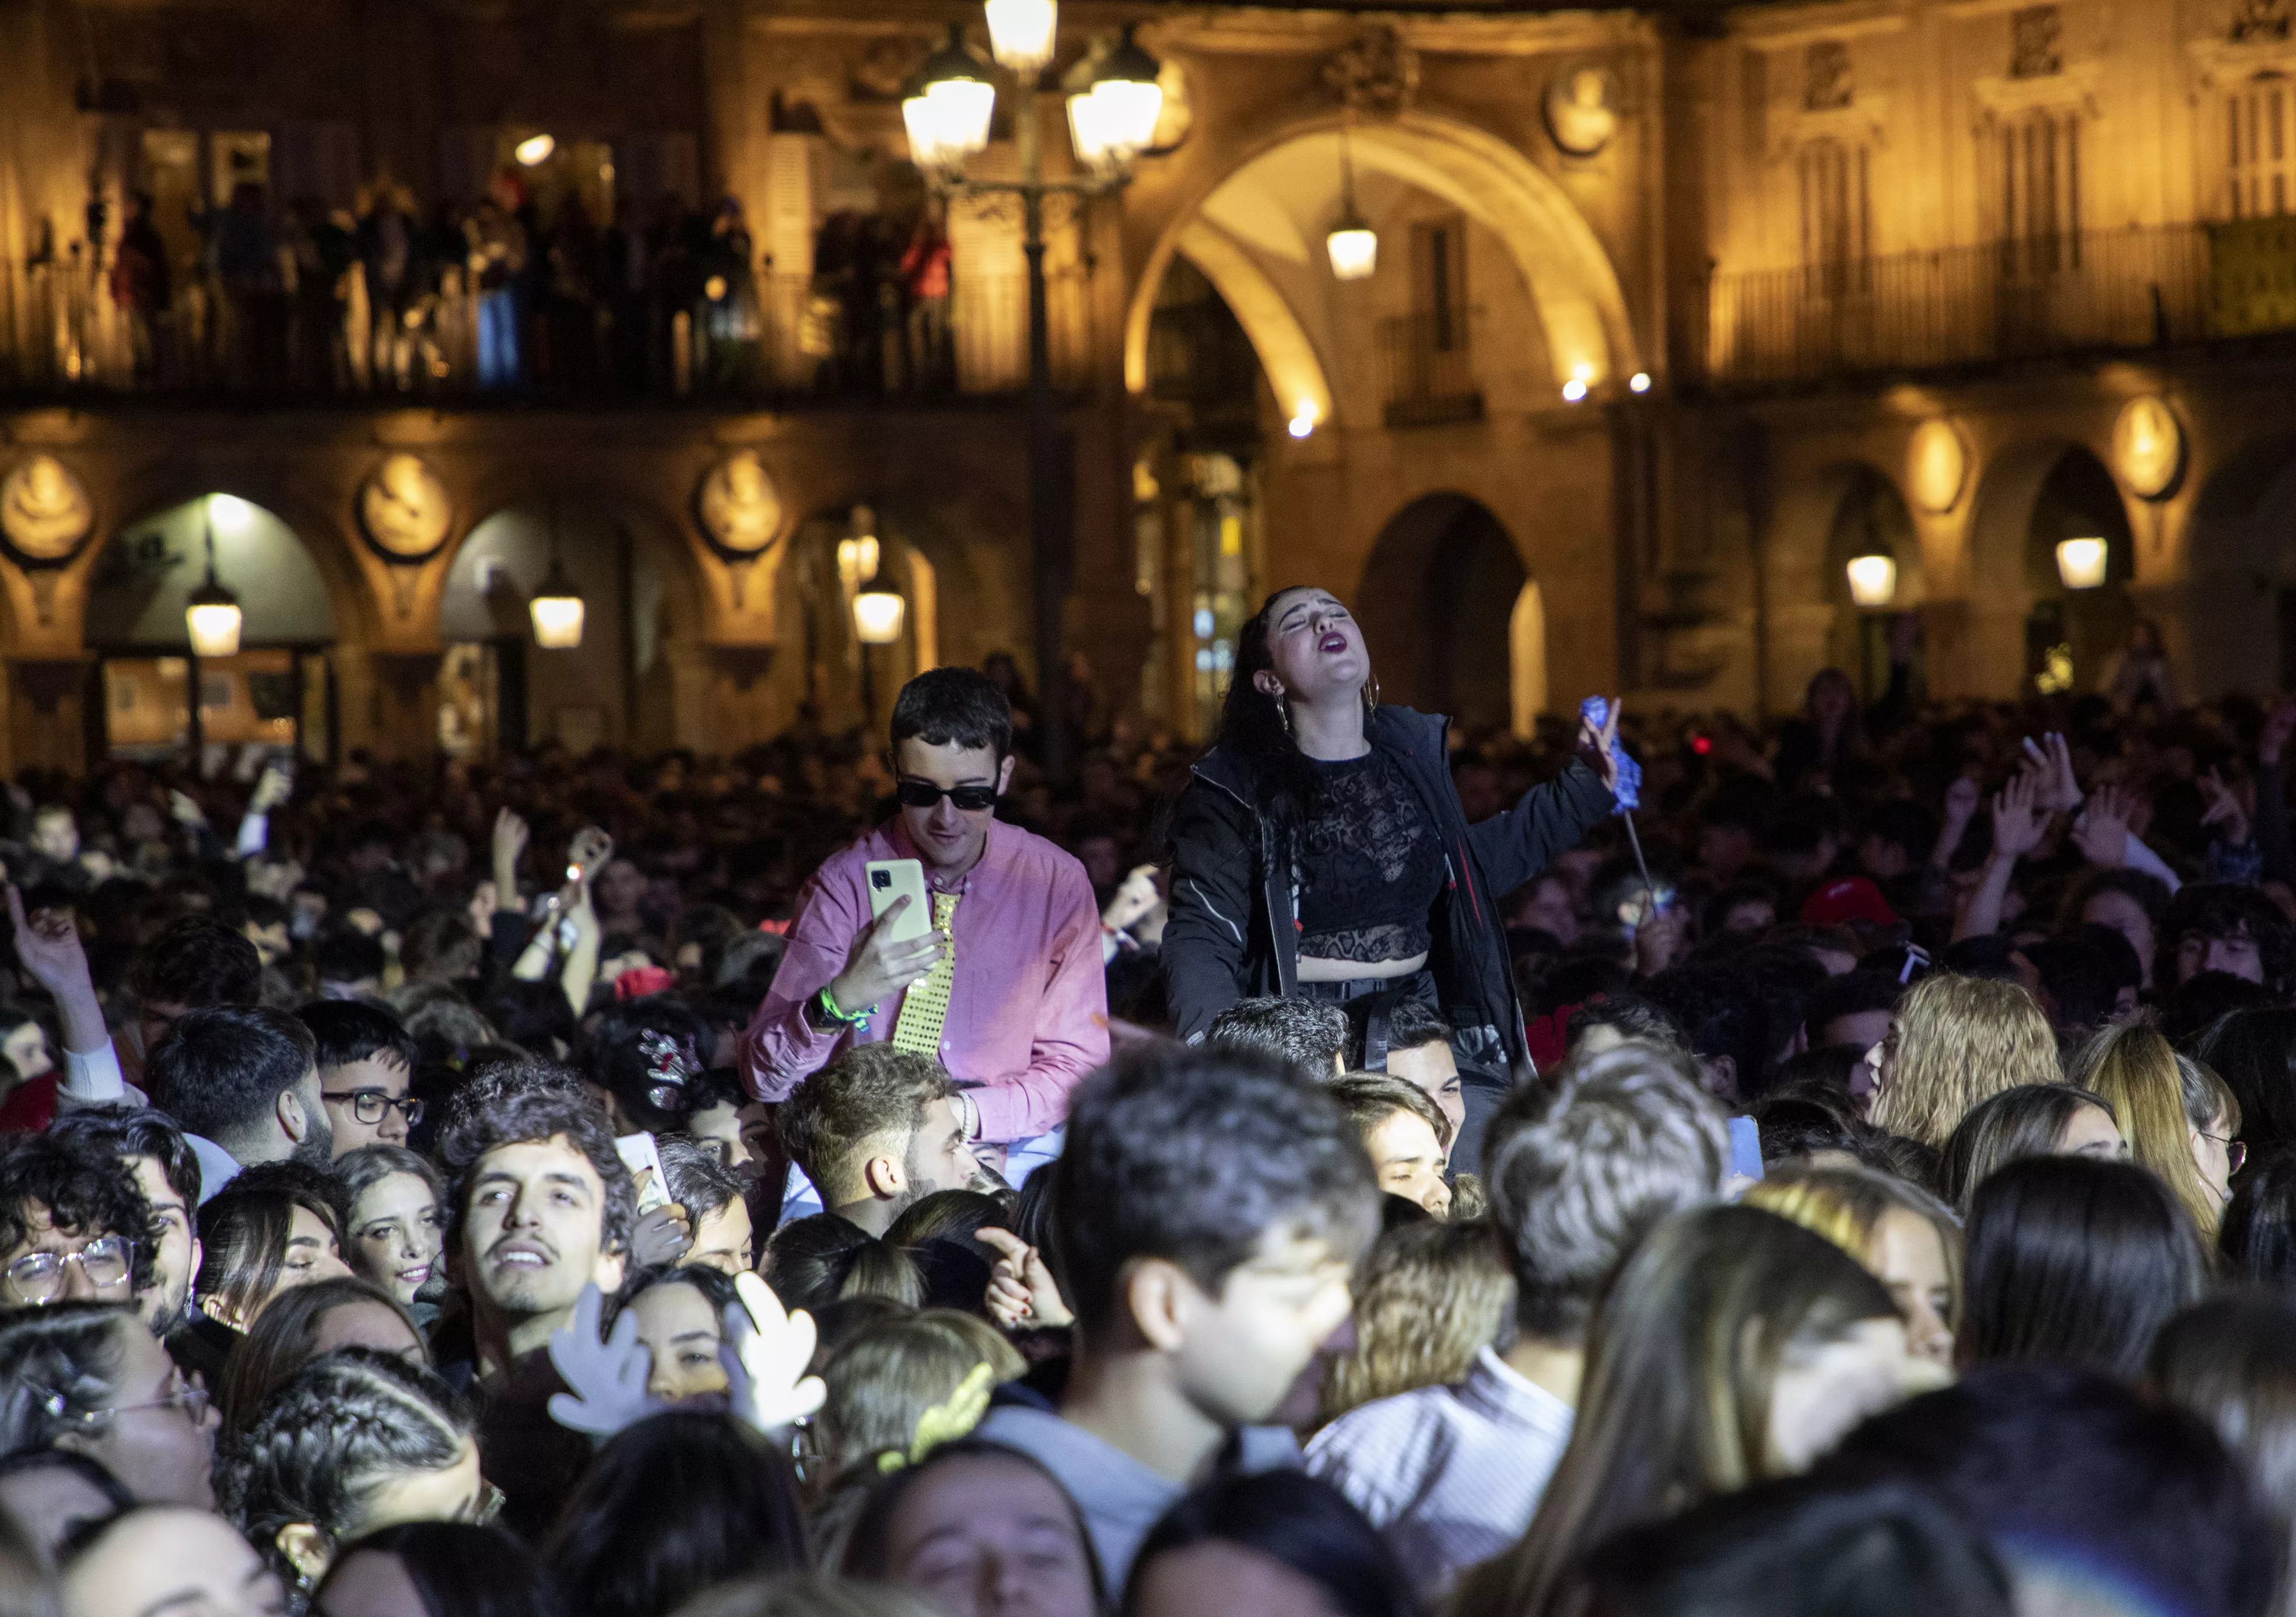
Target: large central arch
1573 286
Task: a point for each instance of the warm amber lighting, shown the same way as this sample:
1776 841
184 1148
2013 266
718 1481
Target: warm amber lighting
1872 579
535 150
1639 382
1020 34
856 561
1575 389
1353 247
1303 419
947 114
1114 117
1937 462
230 513
877 615
2081 563
2148 446
214 627
557 621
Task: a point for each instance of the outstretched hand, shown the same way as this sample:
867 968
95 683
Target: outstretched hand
608 1378
765 1352
1599 745
1022 1294
2018 817
48 946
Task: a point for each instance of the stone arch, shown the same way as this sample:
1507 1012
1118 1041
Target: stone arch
1819 523
1570 279
2031 495
1438 605
1295 371
2239 552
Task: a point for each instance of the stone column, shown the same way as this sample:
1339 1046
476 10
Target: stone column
389 700
47 715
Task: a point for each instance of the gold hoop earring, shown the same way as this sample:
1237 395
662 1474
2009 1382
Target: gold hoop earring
1284 714
1371 695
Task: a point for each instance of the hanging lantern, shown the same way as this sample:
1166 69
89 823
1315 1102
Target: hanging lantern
2081 563
948 113
878 613
212 618
1020 34
1872 579
1352 244
556 608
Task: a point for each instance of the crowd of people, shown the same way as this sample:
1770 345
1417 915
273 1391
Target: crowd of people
1662 1166
518 289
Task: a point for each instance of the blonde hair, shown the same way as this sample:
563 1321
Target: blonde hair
2158 1098
1432 1296
1846 1205
1957 1041
885 1378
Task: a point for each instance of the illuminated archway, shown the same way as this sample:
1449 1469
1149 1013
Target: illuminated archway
2032 497
1443 609
1580 305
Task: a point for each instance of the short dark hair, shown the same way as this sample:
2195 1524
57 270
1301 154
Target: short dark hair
2075 1262
1193 1156
60 1369
1719 1010
346 1031
869 1091
1631 1015
1307 1033
1798 1548
522 1112
1371 1098
361 1171
197 962
2227 909
695 1179
222 1069
1851 994
138 1131
86 1189
2076 982
1413 1024
2060 1468
346 954
1299 1522
953 706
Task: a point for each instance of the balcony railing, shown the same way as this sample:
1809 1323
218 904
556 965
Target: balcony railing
2097 292
775 338
1428 371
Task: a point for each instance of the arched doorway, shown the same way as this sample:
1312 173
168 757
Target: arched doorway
273 695
1870 518
2241 565
2057 633
835 558
499 691
1442 609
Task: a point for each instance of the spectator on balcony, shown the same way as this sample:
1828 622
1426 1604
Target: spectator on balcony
497 250
139 284
244 247
728 310
318 252
924 287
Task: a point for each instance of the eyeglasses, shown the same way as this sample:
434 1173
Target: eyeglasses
368 1105
2236 1151
39 1277
924 794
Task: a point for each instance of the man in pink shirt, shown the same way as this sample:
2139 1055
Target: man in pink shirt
1026 1010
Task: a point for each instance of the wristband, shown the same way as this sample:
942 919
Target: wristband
829 1008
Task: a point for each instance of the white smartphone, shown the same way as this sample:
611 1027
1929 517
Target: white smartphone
640 1156
891 879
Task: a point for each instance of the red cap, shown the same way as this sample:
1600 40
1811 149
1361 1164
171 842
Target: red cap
639 981
1851 899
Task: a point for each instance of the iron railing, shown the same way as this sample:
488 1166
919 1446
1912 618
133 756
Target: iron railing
1428 371
777 336
2098 291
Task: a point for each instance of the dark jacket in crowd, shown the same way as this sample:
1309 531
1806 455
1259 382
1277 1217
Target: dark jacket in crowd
1234 934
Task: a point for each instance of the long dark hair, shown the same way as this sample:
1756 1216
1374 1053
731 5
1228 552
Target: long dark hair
671 1505
1296 1520
2076 1262
461 1571
2025 1121
2257 1239
1253 729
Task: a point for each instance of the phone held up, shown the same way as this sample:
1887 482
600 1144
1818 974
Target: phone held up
891 879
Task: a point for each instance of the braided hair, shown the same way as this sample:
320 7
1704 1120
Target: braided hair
326 1440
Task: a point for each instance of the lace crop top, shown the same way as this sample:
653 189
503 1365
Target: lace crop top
1371 865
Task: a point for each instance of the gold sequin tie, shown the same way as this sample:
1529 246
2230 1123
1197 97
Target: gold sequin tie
925 1006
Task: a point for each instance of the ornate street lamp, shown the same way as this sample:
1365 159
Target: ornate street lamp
1352 245
1872 579
2081 563
557 608
1112 119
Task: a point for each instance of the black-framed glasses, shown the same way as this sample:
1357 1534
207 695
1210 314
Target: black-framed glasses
924 794
369 1105
39 1277
2236 1152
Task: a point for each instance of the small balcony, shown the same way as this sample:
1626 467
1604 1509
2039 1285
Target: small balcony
766 340
1428 371
2094 292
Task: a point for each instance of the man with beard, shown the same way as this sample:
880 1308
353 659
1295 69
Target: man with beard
243 1085
542 1207
878 1130
155 1152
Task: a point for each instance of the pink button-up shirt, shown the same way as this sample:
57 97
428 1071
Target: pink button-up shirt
1027 1010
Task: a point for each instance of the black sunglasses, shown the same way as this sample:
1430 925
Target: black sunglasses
924 794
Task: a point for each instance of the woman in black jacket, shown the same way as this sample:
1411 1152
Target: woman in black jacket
1320 849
